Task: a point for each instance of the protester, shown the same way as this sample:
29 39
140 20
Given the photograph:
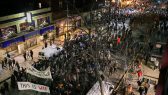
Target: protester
10 64
31 54
129 90
45 44
115 67
13 63
8 55
2 90
110 70
13 81
6 85
146 86
139 72
141 90
73 77
25 56
3 64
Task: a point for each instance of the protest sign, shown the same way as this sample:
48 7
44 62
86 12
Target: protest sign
107 88
41 74
32 86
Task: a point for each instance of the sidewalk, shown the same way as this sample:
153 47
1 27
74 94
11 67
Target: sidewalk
6 73
147 73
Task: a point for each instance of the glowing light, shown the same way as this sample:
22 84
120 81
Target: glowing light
40 5
128 2
28 16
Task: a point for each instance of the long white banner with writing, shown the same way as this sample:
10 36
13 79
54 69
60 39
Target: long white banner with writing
41 74
106 88
32 86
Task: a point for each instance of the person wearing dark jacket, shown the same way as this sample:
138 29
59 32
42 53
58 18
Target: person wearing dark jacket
13 62
8 55
2 91
3 64
31 54
24 55
13 81
6 85
45 44
141 90
10 64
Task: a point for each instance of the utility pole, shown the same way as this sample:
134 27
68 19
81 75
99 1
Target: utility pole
67 15
96 60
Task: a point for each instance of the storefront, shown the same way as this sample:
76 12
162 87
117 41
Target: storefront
42 22
31 39
24 30
78 21
63 26
31 42
25 26
12 44
47 33
8 32
68 24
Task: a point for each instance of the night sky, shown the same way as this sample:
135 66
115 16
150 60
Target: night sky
8 7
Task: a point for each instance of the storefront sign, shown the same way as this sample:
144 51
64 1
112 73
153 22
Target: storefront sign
31 34
46 29
32 86
41 74
11 41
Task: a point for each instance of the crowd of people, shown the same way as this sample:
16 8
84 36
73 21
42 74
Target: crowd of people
8 62
19 73
75 69
28 54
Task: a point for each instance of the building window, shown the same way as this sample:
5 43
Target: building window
42 22
27 26
8 32
31 42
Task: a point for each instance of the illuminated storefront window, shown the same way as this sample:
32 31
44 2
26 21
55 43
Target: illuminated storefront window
8 32
27 26
31 42
42 22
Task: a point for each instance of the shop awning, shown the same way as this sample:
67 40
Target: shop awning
46 29
11 41
30 34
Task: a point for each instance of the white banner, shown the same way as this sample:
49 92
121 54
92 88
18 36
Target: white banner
41 74
95 90
32 86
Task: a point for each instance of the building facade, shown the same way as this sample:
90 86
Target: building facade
21 31
24 30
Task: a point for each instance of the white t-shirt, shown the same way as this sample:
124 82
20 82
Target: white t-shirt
156 63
